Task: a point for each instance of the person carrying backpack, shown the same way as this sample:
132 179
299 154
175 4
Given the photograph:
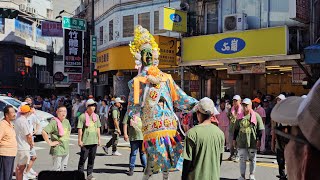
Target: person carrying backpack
114 128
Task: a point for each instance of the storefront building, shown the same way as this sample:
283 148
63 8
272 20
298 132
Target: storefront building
114 28
245 61
248 46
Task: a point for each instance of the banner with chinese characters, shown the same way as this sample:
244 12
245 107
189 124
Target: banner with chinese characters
240 44
247 68
168 50
51 29
73 55
74 78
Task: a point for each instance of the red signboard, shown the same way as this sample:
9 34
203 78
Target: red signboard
51 29
75 78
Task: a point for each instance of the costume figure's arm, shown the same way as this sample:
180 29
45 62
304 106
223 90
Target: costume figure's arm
180 99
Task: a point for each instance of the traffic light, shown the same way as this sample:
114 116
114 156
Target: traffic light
95 75
8 13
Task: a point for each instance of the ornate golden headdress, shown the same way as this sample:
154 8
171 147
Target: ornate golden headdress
143 40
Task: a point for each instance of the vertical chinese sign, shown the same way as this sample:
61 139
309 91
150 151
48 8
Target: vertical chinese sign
73 46
93 49
73 55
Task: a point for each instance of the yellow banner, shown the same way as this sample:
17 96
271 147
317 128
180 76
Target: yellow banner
172 19
262 42
120 58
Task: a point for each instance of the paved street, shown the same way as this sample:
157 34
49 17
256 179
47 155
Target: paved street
113 167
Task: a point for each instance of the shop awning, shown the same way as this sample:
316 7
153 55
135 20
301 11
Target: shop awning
312 54
257 59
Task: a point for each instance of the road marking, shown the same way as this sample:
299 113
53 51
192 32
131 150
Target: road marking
269 165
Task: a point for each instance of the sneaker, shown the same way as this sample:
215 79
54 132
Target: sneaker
25 177
251 177
282 177
241 178
130 173
116 153
33 172
236 159
105 149
90 177
29 176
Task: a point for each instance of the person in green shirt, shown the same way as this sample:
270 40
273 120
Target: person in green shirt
136 140
247 136
203 146
88 137
59 129
114 128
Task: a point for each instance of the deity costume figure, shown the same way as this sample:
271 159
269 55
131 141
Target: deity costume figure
153 96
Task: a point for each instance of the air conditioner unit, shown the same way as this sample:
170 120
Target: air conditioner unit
235 22
28 10
22 7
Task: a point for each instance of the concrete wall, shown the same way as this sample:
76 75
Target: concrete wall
41 7
117 16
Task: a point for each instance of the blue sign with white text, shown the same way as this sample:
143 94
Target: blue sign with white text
175 18
230 45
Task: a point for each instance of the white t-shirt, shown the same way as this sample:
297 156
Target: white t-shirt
22 129
33 120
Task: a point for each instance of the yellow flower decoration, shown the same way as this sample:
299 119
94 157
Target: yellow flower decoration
141 37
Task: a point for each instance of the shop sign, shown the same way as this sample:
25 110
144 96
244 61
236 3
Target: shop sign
74 24
194 85
168 50
2 24
120 58
51 29
171 19
230 45
58 76
75 78
23 30
298 74
251 43
93 49
247 68
73 56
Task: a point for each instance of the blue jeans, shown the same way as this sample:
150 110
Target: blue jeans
135 145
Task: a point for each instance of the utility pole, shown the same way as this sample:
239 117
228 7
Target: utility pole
91 90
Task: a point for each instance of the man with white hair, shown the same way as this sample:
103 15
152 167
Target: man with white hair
302 152
204 145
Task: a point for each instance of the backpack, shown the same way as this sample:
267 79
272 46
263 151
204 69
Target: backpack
110 118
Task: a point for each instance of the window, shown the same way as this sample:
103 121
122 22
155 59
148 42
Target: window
128 26
144 20
111 30
101 35
212 18
156 24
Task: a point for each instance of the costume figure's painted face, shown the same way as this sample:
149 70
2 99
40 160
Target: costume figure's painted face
147 57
